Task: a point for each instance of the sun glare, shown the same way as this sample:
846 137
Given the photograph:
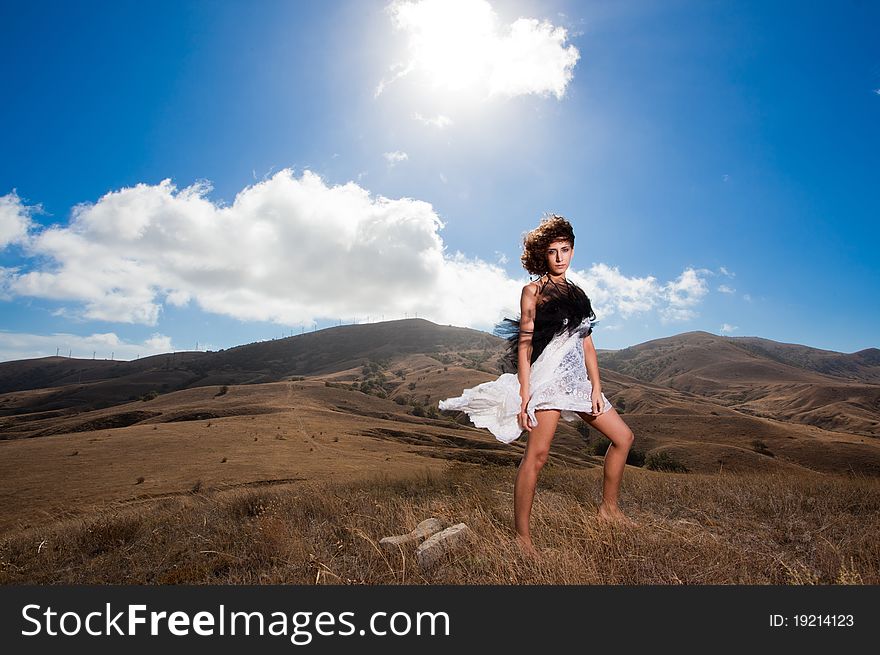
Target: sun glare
459 51
451 42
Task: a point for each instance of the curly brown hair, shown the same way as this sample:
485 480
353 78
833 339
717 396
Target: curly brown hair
535 242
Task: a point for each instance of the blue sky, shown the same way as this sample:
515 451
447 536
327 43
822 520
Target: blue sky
718 161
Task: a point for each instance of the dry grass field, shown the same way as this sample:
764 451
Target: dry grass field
756 528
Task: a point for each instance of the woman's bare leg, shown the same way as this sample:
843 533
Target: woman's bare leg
612 426
537 450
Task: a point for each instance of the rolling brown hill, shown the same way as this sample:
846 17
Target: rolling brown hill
695 373
756 376
863 366
70 386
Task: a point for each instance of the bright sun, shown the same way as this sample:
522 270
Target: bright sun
451 43
460 48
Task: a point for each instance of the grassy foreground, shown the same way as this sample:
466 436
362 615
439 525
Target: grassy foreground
693 529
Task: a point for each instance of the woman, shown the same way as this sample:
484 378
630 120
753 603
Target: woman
551 348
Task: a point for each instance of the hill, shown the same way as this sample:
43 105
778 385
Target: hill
785 382
67 386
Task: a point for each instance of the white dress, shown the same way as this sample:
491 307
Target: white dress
557 380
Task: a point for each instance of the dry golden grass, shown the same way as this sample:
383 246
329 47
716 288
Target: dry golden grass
754 528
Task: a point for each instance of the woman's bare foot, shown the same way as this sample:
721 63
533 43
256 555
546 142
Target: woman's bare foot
614 515
527 549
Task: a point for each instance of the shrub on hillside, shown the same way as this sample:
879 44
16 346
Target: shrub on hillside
760 447
663 461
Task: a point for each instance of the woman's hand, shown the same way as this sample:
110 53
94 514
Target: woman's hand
596 401
523 416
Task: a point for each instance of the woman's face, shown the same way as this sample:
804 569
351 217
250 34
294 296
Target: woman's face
559 257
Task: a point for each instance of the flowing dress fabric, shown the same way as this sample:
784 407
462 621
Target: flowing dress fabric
557 380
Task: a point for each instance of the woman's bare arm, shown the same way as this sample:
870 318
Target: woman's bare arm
592 362
528 303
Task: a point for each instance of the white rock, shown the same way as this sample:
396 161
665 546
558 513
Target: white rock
424 529
433 548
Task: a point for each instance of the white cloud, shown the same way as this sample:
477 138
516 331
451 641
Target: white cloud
291 250
727 328
674 314
394 158
158 343
682 294
15 345
726 272
723 288
440 121
615 294
460 45
15 219
532 59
